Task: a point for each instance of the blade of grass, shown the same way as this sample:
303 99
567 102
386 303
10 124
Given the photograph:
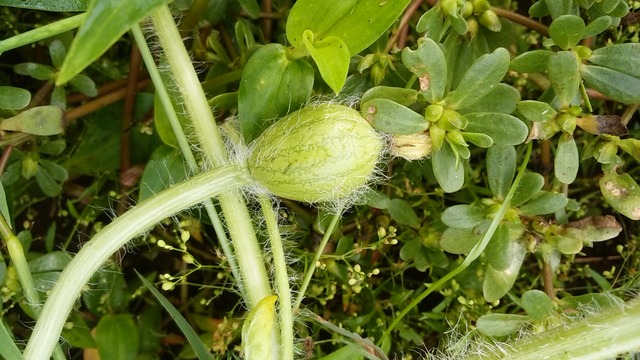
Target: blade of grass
8 349
194 340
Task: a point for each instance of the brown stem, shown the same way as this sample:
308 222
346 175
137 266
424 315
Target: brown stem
5 158
127 122
404 22
100 102
39 97
628 113
103 90
522 20
547 280
267 23
545 158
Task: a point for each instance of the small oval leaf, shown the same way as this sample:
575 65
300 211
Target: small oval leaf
567 159
41 121
393 118
567 30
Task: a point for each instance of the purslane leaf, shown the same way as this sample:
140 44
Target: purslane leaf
614 84
430 65
624 58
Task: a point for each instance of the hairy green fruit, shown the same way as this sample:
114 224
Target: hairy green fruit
316 154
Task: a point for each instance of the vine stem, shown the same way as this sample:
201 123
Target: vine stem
111 238
281 280
312 267
247 250
183 143
522 20
475 252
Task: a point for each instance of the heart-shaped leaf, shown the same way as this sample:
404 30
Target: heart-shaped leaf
332 57
271 86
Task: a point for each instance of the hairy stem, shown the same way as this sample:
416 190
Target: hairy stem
111 238
238 220
281 280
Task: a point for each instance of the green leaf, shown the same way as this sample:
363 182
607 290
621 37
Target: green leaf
478 139
504 129
105 23
498 282
460 241
84 84
271 86
41 121
13 98
378 200
631 147
401 96
463 216
597 26
57 52
502 99
8 347
564 74
393 118
499 250
537 304
534 61
257 330
251 7
347 352
557 8
501 325
53 261
117 337
567 245
478 81
567 159
198 346
4 210
431 23
501 168
622 192
165 168
447 170
624 58
430 65
529 185
35 70
401 212
544 203
58 6
359 23
614 84
332 57
567 30
536 111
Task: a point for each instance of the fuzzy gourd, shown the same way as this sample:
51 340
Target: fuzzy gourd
316 154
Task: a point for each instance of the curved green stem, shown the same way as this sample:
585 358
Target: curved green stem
471 257
111 238
246 246
312 267
281 280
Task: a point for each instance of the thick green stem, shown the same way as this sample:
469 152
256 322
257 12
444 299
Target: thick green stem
601 336
281 280
238 220
165 99
111 238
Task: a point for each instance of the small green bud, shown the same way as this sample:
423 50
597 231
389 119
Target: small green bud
583 52
378 73
480 6
433 112
449 7
437 137
452 120
316 154
456 137
472 27
366 62
467 9
30 165
490 20
567 123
